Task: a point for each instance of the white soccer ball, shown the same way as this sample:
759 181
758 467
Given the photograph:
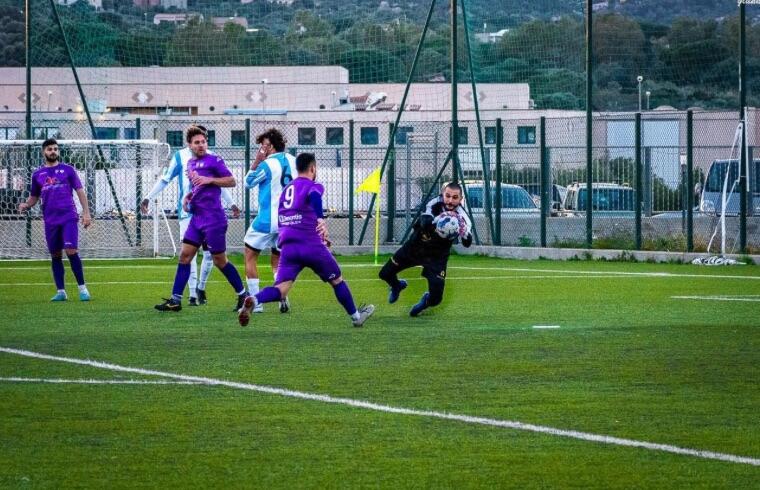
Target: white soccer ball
447 225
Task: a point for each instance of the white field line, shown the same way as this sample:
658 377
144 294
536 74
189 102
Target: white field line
546 327
584 436
494 269
99 381
719 298
364 279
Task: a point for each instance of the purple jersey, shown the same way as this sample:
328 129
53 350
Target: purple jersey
298 220
205 203
54 186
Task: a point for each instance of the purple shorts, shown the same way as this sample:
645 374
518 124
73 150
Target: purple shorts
210 236
295 257
62 235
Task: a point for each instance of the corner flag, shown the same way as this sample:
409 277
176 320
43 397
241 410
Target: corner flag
371 183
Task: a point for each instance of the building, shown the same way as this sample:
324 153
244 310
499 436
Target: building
146 3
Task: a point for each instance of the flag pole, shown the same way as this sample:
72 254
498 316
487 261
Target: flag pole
377 228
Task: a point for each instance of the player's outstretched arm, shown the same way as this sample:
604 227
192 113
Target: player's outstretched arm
86 218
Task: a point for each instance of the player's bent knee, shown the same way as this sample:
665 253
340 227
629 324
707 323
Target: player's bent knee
335 282
387 272
220 259
71 251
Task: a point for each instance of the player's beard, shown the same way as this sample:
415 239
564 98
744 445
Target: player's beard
51 158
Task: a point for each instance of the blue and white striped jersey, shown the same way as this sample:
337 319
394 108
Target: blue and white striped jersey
271 176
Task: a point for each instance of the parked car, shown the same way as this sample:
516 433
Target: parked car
558 193
606 198
711 198
514 199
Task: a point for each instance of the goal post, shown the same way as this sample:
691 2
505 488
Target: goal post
115 174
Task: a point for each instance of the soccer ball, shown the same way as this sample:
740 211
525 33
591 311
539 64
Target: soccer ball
447 225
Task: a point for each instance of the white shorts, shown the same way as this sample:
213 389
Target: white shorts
260 241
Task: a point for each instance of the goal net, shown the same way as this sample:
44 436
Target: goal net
115 174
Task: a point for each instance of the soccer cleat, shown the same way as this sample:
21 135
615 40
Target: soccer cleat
193 302
365 311
284 305
419 307
395 292
201 296
244 313
84 295
170 304
240 301
59 296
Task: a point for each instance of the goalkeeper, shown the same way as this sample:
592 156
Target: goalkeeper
426 248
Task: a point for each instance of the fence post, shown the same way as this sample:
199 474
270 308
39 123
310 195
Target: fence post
138 184
391 194
689 181
639 180
247 192
545 182
497 186
351 182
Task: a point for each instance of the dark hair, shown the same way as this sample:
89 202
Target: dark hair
454 186
275 137
304 161
48 142
194 130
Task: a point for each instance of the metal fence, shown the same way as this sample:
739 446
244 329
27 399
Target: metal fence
647 174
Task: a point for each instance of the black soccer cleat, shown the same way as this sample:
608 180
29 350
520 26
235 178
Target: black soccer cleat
193 302
170 304
240 301
202 300
284 305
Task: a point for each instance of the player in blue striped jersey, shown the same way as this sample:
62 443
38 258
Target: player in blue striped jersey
177 169
271 171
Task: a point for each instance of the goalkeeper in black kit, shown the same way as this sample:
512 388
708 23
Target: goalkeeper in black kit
429 246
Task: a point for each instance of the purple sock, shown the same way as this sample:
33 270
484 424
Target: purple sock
76 267
344 297
180 280
268 295
58 271
231 273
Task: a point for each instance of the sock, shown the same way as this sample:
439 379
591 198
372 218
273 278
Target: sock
192 282
207 265
233 278
58 272
76 267
180 281
344 298
274 273
268 295
83 288
253 285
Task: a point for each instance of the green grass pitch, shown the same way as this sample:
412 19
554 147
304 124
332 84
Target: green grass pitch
632 359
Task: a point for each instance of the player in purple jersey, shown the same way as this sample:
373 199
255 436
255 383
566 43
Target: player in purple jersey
54 183
303 240
208 226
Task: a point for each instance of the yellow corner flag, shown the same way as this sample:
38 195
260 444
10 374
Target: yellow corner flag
371 183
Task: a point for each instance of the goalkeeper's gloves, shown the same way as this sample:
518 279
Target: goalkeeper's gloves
467 240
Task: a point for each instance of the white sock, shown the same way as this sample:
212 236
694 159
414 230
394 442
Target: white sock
83 288
274 273
207 265
253 285
356 315
62 291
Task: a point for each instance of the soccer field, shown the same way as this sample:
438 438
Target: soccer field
643 375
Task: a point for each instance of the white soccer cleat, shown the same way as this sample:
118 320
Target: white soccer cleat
365 311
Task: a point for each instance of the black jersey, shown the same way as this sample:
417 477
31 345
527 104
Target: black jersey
424 241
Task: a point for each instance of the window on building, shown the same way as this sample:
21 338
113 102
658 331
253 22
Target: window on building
47 132
106 133
211 138
307 136
402 133
174 138
491 135
334 136
462 135
8 133
369 136
526 135
237 137
130 133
